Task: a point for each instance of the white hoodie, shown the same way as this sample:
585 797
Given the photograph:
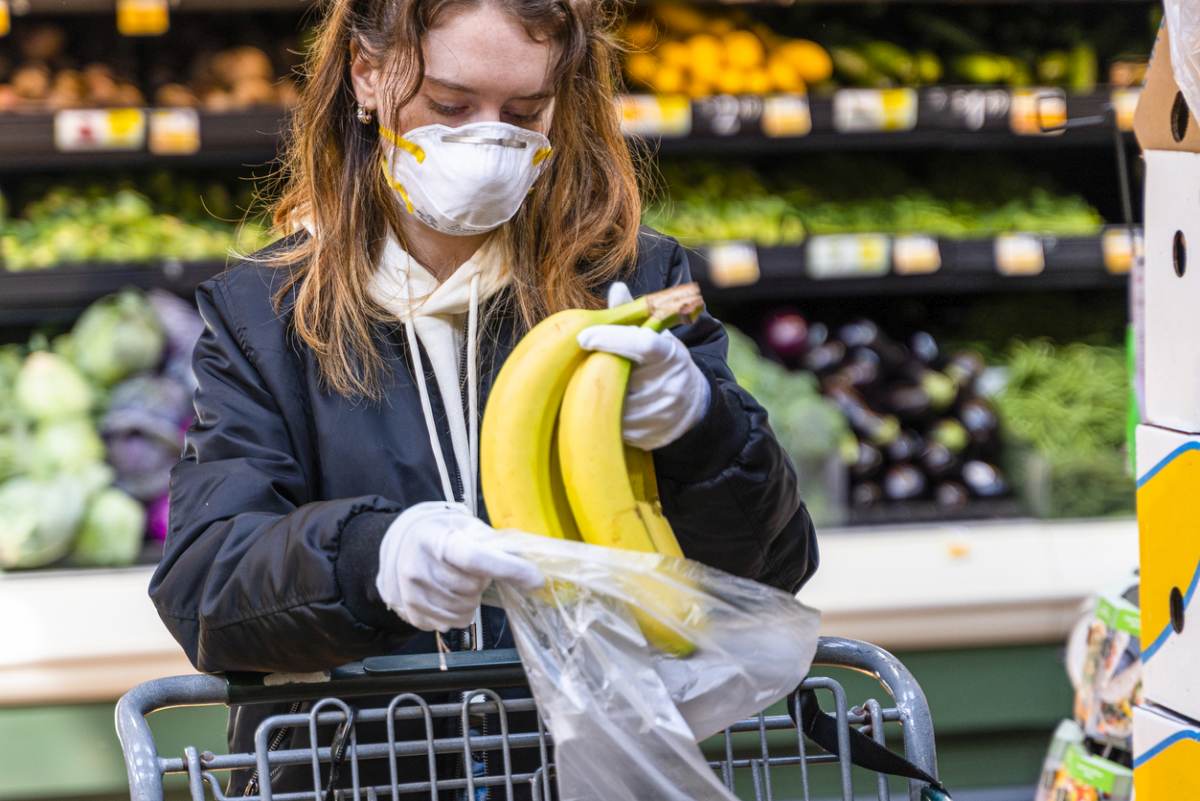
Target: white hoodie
434 314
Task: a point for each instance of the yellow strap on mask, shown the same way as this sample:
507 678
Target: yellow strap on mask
542 155
402 143
396 185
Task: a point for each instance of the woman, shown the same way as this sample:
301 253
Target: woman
327 504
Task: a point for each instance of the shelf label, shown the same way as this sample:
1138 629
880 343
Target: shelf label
1020 254
143 17
1119 245
970 109
1124 102
727 115
174 131
916 254
786 115
1038 112
863 110
5 18
733 264
94 130
848 256
656 115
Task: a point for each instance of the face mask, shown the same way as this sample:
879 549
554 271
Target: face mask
466 180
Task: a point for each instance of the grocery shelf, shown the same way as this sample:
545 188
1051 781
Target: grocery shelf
62 293
877 264
943 585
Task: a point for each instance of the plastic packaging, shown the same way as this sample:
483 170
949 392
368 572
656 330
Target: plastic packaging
1067 735
1111 680
1183 29
626 716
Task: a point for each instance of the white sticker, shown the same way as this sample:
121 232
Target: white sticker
733 264
655 115
916 254
174 131
1038 111
864 110
93 130
1020 254
848 256
786 115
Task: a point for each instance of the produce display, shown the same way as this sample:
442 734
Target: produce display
72 224
681 48
48 66
703 202
90 424
552 458
924 431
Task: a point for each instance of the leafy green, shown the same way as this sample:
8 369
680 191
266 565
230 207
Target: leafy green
48 387
116 337
112 531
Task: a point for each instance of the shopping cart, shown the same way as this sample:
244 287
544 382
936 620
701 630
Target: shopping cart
766 757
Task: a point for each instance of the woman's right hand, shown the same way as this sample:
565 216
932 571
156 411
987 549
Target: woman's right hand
435 562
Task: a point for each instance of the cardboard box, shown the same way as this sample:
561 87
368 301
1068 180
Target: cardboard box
1171 301
1163 120
1166 756
1168 499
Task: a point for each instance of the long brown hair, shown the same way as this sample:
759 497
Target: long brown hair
577 229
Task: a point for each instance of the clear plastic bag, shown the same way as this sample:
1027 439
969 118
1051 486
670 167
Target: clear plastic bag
1183 30
626 717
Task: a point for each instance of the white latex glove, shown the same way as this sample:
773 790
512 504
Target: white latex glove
435 562
668 395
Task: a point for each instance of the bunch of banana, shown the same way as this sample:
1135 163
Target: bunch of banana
552 460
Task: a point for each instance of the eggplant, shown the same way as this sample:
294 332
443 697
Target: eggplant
786 335
938 461
906 448
866 495
951 495
860 371
980 420
824 359
909 402
924 348
904 482
818 334
984 480
878 429
952 434
868 462
866 334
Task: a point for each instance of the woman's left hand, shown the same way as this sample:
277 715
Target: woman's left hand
668 395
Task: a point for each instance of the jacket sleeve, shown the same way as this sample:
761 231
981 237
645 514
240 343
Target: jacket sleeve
255 575
727 486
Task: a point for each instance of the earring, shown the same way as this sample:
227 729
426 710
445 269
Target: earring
364 114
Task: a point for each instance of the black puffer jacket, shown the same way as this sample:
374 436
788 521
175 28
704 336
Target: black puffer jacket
285 490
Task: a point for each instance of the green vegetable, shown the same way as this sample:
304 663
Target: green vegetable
49 387
68 445
112 532
39 518
116 337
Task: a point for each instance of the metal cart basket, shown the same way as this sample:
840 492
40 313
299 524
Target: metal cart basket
766 757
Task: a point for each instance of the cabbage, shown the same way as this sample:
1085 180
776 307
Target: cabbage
112 532
38 520
65 446
116 337
49 388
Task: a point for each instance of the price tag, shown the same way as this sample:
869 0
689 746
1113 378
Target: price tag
1020 254
970 109
727 115
733 264
1038 111
5 18
656 115
93 130
1120 247
1124 103
786 115
916 254
143 17
862 110
174 131
848 256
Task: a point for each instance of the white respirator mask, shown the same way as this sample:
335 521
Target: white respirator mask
466 180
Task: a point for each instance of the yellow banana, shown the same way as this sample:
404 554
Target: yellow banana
520 488
611 488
